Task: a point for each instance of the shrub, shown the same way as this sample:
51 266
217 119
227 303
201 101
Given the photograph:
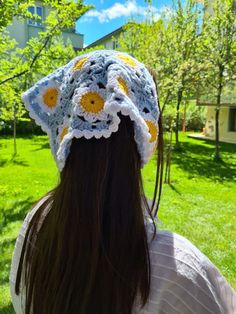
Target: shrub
195 117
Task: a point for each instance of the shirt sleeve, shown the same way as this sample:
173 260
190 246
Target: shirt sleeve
18 301
223 292
185 281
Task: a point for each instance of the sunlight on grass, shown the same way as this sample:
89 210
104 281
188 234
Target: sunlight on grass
200 204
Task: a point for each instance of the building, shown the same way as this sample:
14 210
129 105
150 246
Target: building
227 120
109 41
227 123
22 30
227 113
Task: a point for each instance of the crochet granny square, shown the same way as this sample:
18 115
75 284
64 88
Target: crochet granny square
83 99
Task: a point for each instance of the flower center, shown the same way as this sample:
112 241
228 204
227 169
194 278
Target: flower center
63 133
50 97
92 102
152 130
122 85
79 64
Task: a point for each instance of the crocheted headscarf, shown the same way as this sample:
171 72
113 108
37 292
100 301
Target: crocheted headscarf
83 99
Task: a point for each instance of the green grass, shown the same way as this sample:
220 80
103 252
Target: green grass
200 204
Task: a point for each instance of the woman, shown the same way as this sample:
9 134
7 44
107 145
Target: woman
91 245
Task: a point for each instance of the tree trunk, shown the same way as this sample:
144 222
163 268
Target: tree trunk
179 98
14 129
217 151
165 101
184 118
170 155
217 113
168 159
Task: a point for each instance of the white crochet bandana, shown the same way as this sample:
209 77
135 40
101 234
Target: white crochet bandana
83 99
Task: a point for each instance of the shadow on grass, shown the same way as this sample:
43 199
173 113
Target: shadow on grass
43 146
6 249
3 162
2 145
224 147
17 212
41 142
174 189
14 161
197 159
201 144
19 162
8 309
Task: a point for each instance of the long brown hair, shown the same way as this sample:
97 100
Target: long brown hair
86 248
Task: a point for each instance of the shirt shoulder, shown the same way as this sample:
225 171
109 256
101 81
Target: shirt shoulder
184 280
19 300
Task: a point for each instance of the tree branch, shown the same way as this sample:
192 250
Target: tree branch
37 55
14 76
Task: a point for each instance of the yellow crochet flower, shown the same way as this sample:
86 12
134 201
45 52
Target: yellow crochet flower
63 133
152 130
92 102
50 97
122 85
79 64
127 60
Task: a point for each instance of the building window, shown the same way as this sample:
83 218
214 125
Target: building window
37 11
232 119
115 44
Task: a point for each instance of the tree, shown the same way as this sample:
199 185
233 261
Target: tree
218 50
169 45
179 58
21 67
11 107
62 16
12 8
145 42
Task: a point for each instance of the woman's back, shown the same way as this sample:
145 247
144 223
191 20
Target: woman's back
87 249
183 280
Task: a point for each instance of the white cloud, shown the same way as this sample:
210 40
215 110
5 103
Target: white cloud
167 11
117 10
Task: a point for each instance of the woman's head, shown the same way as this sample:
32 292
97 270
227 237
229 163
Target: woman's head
86 248
83 98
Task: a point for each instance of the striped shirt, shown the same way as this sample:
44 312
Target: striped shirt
183 279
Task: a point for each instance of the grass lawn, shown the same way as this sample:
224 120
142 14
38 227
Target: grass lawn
199 204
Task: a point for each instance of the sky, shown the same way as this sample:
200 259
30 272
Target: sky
108 15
